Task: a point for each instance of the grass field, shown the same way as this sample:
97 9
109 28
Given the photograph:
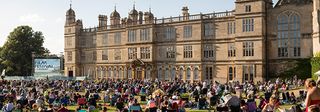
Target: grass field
143 103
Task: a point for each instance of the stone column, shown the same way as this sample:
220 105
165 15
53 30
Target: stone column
122 74
143 73
184 75
192 76
133 73
200 75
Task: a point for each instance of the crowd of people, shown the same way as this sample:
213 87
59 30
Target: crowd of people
152 96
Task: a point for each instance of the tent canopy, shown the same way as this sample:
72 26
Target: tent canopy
317 73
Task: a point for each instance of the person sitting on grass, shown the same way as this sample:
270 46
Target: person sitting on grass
106 98
243 106
96 96
213 99
293 98
272 106
151 105
63 108
135 107
8 107
82 101
92 101
104 109
202 103
119 105
49 109
92 108
164 106
252 106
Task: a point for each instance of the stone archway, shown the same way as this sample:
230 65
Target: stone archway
139 69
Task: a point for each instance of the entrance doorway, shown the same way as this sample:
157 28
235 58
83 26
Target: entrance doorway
70 73
138 75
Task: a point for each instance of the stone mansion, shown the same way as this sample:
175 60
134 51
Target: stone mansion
256 39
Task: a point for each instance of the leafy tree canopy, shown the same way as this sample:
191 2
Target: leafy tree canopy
17 52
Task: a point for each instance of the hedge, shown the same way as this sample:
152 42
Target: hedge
315 63
302 69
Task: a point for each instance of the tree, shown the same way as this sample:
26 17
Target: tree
22 44
1 66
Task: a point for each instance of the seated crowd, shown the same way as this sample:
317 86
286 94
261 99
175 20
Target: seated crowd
152 96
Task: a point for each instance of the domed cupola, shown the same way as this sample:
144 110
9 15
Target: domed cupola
148 17
133 14
115 14
133 11
70 16
70 12
115 18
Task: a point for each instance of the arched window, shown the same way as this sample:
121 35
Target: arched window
180 73
101 72
288 34
120 75
159 74
104 73
129 73
109 73
295 34
196 74
148 73
98 73
230 73
125 75
167 74
115 75
173 73
188 73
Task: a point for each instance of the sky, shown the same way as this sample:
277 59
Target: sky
48 16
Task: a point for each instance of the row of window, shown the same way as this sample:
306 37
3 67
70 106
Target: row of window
167 75
144 53
170 33
248 72
117 39
170 52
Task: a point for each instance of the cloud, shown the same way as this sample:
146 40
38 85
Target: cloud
32 18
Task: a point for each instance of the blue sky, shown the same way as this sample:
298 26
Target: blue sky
48 16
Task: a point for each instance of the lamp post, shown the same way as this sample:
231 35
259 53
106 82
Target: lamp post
33 69
61 63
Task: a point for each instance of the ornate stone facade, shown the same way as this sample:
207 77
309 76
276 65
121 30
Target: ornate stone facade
254 39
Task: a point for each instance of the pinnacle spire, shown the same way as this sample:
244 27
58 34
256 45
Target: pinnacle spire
70 4
134 4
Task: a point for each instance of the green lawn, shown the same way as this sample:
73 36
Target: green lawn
143 103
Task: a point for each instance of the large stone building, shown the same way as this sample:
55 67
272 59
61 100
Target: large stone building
255 39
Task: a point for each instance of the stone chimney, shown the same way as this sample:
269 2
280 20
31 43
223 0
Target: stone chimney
185 13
